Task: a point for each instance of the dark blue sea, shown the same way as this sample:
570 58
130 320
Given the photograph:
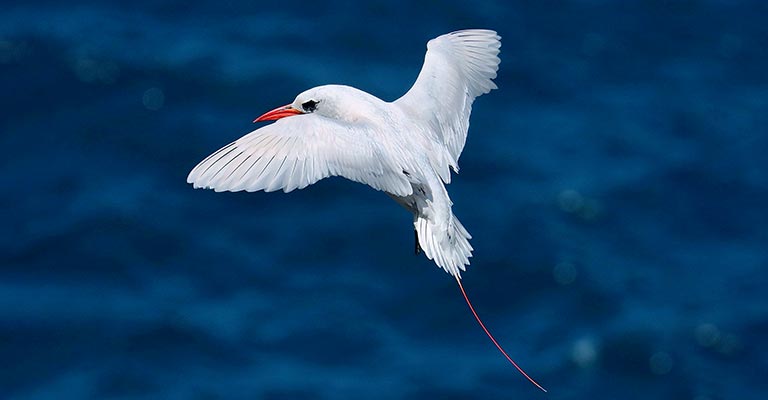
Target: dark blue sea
616 187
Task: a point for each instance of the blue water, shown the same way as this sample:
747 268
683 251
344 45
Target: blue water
615 185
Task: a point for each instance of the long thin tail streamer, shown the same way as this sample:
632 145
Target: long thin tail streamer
482 325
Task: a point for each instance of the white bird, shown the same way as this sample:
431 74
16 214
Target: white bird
406 148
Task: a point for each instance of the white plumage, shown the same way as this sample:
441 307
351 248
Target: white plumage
405 148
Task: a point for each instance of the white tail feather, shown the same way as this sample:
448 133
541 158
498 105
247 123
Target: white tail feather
446 243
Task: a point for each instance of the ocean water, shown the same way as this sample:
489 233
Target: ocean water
615 186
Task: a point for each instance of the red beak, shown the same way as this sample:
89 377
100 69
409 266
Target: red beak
279 112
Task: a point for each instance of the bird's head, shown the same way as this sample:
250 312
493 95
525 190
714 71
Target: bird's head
338 102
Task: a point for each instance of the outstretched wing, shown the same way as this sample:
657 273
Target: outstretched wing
458 67
297 151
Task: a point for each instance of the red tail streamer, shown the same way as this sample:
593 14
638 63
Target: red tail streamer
482 325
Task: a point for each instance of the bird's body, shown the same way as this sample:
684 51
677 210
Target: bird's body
406 148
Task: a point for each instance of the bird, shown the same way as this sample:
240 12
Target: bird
406 148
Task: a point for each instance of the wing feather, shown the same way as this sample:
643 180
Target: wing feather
295 152
458 67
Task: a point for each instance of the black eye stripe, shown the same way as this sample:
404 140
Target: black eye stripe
309 106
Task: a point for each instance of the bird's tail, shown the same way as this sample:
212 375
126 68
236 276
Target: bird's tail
445 242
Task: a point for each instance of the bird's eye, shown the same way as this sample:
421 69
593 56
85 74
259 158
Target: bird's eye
309 106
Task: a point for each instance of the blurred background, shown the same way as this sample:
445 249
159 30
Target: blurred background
615 186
